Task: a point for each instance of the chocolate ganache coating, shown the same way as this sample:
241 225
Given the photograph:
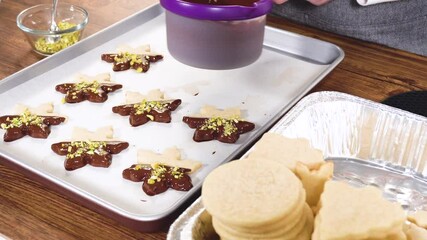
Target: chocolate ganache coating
91 91
80 153
221 129
158 178
141 113
125 61
18 126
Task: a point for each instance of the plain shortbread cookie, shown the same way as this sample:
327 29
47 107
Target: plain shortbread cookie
251 193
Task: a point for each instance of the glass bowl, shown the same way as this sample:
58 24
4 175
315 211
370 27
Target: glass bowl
35 23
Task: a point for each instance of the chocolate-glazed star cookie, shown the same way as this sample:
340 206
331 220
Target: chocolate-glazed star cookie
34 122
224 126
158 178
142 109
95 149
159 172
94 89
138 59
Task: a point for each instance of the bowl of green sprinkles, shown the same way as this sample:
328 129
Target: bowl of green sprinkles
35 22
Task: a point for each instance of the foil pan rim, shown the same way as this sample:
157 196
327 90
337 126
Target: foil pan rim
185 226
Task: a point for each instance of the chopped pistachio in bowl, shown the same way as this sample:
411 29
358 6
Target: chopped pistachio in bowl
35 23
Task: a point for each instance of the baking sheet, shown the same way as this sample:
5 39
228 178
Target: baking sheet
264 90
369 143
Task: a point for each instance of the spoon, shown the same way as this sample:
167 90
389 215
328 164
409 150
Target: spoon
53 26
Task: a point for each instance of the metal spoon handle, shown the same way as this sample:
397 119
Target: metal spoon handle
53 26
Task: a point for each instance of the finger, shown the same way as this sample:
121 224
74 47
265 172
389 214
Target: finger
279 1
318 2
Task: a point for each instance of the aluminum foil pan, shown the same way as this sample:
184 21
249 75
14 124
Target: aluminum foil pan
370 144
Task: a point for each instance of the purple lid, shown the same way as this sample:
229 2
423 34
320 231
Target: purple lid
217 12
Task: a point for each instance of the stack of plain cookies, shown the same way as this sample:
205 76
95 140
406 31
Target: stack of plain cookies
300 157
274 192
257 199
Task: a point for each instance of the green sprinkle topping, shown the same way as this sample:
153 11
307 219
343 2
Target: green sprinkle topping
157 173
78 148
216 122
86 86
176 173
146 106
129 57
26 118
65 40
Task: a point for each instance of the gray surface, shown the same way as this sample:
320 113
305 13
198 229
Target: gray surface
399 24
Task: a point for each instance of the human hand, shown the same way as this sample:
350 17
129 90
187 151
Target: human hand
319 2
314 2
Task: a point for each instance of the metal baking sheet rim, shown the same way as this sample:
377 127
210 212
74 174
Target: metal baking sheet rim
328 54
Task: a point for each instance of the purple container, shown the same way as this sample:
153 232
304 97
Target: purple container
215 36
